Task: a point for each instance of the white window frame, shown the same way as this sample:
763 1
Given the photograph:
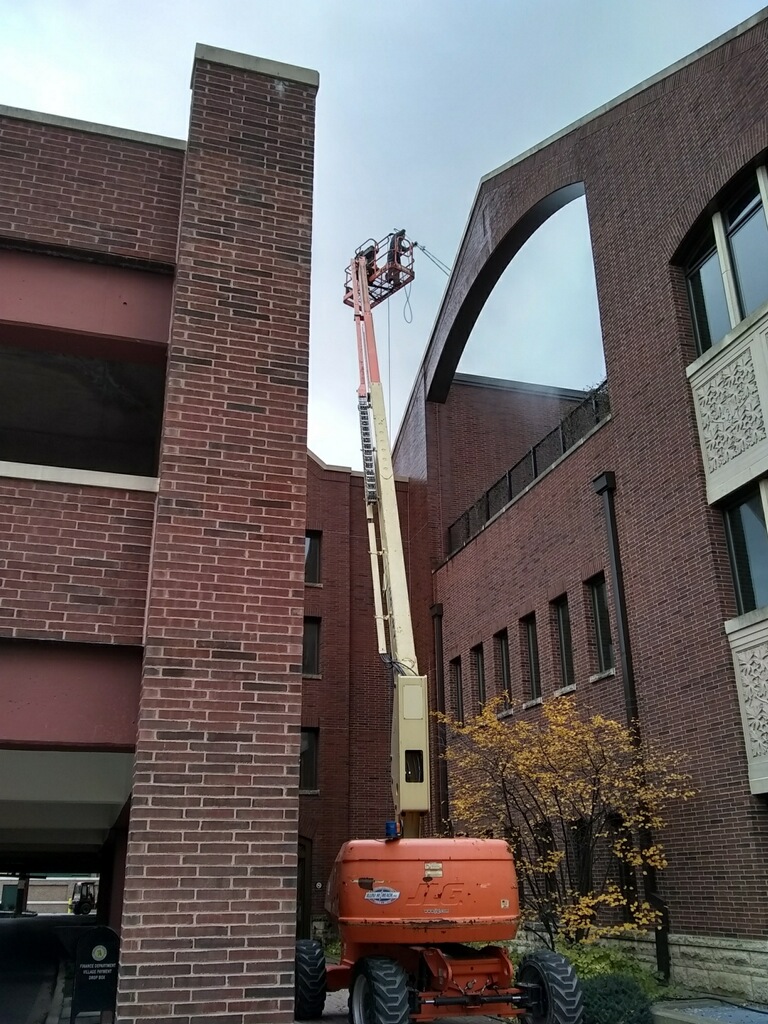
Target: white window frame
724 250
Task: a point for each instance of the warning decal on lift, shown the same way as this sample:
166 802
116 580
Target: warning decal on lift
381 897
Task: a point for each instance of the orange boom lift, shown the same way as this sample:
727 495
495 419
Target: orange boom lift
407 907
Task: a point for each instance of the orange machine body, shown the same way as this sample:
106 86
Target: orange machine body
424 891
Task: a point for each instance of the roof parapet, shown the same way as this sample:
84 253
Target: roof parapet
92 127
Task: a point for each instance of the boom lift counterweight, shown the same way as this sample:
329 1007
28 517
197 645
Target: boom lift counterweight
408 907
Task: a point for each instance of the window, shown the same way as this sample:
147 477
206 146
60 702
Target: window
601 623
61 408
747 231
456 684
706 294
504 679
728 273
312 556
748 548
531 657
564 644
310 660
478 664
308 759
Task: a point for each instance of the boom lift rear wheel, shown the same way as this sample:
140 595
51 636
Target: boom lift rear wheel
379 992
560 999
310 980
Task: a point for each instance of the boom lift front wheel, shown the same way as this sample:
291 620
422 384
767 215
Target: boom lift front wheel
379 992
310 980
554 988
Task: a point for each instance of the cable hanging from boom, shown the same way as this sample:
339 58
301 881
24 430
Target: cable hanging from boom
434 259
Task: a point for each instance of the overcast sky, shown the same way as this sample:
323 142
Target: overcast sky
418 100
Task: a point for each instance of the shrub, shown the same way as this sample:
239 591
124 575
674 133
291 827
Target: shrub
592 961
615 999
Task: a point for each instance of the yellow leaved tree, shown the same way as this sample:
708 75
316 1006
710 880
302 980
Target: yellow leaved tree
577 798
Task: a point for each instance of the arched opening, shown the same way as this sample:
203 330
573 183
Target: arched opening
541 322
530 380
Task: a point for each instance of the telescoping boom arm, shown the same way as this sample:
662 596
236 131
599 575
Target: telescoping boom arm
377 270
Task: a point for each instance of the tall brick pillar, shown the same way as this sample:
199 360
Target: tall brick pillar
208 924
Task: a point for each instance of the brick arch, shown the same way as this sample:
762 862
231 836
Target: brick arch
751 149
665 147
499 230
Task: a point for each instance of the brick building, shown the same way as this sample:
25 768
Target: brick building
154 345
155 505
625 557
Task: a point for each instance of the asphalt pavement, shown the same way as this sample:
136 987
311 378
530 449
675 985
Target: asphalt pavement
29 958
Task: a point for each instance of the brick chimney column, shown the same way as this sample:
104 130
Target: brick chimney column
209 910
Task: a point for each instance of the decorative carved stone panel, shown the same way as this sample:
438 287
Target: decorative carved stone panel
730 393
753 670
731 416
748 637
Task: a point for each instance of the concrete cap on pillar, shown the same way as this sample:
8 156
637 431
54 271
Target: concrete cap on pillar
259 65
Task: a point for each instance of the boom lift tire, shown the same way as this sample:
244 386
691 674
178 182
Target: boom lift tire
561 1000
379 992
310 980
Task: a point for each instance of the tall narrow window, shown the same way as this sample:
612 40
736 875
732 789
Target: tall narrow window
565 646
707 295
478 665
310 661
748 548
748 240
531 659
504 679
312 556
601 623
308 759
458 695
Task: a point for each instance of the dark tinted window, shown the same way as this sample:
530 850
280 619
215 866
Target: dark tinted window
532 672
748 237
312 542
478 661
602 624
308 759
458 694
707 297
310 661
79 412
501 640
748 544
565 646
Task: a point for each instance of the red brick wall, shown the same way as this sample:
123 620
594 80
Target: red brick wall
647 179
74 562
88 191
208 925
324 817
